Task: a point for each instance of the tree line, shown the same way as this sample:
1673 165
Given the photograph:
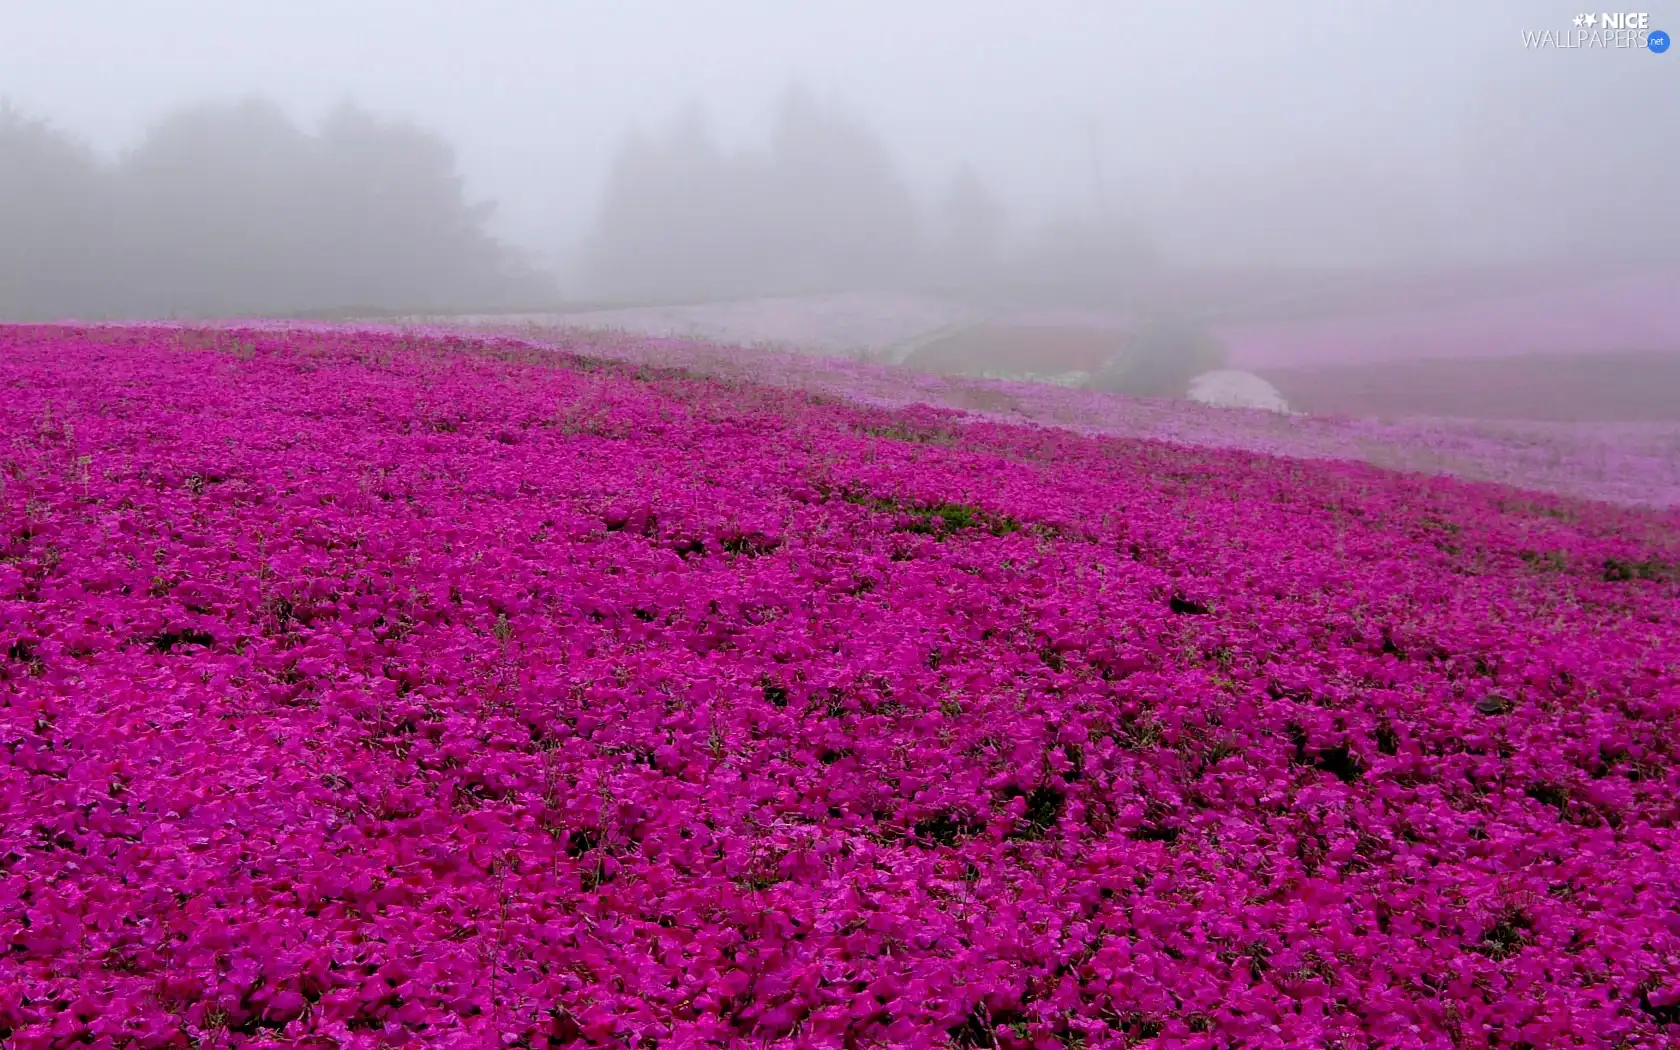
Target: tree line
233 209
821 208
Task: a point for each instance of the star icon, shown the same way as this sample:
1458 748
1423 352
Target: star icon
1592 20
1580 20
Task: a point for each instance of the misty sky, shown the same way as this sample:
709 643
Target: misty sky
537 95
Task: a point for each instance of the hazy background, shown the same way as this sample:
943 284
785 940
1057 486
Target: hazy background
213 157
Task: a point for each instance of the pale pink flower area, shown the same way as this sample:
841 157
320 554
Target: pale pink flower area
1607 314
1635 464
366 688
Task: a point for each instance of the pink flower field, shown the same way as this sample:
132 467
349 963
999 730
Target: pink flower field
1636 464
376 689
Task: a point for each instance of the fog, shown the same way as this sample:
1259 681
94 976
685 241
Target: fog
202 157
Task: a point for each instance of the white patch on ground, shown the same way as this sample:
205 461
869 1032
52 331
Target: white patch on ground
1232 389
1071 379
849 325
884 327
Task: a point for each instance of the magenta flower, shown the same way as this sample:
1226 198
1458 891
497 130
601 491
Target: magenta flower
360 689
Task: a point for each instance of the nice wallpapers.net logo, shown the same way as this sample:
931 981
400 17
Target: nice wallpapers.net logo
1607 30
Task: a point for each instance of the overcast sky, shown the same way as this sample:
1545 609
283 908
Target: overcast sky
536 95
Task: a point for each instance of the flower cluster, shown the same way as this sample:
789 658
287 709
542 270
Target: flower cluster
364 690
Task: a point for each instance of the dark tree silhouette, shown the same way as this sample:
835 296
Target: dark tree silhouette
54 221
227 209
672 222
969 228
820 210
846 219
